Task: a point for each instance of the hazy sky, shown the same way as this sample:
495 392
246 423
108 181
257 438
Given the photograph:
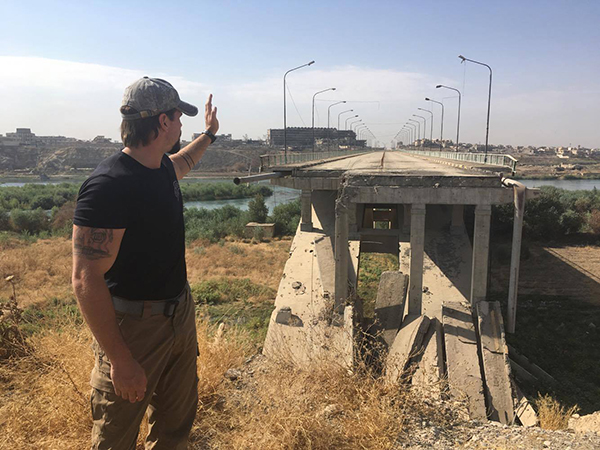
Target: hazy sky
64 64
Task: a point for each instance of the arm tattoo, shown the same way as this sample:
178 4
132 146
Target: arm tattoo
188 160
93 244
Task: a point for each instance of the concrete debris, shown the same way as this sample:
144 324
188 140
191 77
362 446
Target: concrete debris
233 374
429 374
524 410
389 305
464 375
532 368
585 424
296 285
494 353
407 345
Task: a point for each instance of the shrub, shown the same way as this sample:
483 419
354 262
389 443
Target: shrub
32 222
214 224
594 221
257 209
286 218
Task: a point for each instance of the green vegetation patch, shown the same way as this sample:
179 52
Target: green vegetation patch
222 191
554 214
371 266
53 315
236 302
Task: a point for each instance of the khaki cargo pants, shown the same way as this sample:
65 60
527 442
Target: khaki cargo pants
166 347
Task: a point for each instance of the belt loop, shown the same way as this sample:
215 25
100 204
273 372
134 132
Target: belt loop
147 311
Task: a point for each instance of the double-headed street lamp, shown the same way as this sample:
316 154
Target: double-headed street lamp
487 129
313 112
285 109
442 121
458 122
431 126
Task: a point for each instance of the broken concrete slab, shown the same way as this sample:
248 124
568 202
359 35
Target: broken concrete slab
496 366
524 410
429 374
389 305
464 374
406 345
532 368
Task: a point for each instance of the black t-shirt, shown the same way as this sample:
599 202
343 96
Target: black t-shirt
122 193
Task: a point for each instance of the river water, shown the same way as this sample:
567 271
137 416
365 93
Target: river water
280 195
283 195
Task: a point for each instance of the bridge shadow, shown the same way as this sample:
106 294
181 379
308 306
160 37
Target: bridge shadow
558 315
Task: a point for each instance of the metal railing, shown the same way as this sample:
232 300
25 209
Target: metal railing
491 159
280 159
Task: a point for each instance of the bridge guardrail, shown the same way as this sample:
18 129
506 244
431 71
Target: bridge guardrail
278 159
491 159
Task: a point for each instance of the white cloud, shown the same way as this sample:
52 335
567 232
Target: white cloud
56 97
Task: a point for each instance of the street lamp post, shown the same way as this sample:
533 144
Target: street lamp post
340 114
412 131
328 117
431 126
487 128
284 109
418 127
442 126
424 127
349 118
458 122
313 113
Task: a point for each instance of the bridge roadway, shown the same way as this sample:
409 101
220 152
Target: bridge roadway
390 162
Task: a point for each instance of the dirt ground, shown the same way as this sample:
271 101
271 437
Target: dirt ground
570 271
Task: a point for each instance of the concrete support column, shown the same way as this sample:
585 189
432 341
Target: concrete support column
417 247
306 211
458 222
515 257
342 256
481 251
406 220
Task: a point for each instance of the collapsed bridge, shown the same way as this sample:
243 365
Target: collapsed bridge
431 315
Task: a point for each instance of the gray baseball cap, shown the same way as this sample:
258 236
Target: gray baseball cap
152 96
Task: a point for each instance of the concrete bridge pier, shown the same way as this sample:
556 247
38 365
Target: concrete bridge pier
306 210
341 253
417 248
481 250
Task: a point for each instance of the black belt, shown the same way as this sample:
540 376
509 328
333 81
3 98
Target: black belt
147 308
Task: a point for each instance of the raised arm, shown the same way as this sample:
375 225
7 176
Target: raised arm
186 158
94 252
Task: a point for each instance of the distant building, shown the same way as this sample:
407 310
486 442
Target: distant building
302 137
220 137
23 135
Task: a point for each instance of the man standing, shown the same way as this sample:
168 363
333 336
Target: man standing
129 274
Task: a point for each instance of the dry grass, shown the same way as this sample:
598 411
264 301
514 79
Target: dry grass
44 398
42 269
552 415
262 263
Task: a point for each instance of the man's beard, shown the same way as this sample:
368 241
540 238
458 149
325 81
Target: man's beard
175 147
